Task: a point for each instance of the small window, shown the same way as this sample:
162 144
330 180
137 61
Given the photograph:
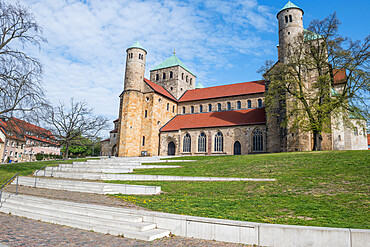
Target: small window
290 18
171 74
168 106
171 88
192 109
219 107
147 99
259 103
183 110
249 104
288 33
182 76
228 106
159 100
209 107
186 78
159 123
143 141
146 113
355 131
191 80
164 76
156 77
239 105
286 19
139 56
339 138
173 108
200 108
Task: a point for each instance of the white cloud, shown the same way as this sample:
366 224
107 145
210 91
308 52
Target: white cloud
85 53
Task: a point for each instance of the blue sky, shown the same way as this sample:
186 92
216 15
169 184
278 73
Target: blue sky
222 42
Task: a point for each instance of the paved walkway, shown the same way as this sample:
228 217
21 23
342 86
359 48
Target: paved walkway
18 231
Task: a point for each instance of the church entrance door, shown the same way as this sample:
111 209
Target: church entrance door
237 148
171 148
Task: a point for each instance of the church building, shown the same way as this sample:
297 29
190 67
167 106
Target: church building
169 115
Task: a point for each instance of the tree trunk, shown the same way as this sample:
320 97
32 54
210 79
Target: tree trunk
317 138
67 150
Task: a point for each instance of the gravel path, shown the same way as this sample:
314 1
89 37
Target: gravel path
19 231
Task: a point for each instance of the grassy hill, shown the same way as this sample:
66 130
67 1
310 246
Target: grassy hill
312 188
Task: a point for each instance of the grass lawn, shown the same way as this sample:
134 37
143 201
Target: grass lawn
313 188
25 168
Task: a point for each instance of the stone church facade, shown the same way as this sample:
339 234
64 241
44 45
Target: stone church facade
169 115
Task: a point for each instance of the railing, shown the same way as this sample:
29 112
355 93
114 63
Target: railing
38 172
8 182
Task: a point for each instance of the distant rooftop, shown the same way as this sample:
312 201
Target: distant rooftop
309 35
171 62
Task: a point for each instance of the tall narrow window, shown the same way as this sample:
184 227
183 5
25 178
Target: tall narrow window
191 79
355 131
257 141
228 106
164 76
186 144
146 113
290 18
171 74
186 78
219 107
200 108
259 103
202 142
139 56
219 142
286 19
182 76
183 110
192 109
168 106
143 141
156 77
209 107
173 108
239 105
249 104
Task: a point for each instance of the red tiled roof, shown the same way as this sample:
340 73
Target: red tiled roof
113 131
339 76
1 140
105 140
224 91
116 120
216 119
159 89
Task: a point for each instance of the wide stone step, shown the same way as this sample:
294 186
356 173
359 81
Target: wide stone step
107 167
89 187
138 177
92 169
85 216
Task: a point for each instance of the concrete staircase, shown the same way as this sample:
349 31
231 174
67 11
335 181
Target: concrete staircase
89 187
107 220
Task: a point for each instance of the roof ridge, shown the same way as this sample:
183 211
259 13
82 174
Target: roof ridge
232 84
145 80
171 62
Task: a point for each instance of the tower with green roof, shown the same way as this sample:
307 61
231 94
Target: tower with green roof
290 19
174 76
135 68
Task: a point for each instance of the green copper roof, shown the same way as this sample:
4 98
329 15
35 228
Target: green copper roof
199 85
290 5
136 45
171 62
309 35
334 92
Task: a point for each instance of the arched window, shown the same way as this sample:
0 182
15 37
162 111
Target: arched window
290 18
192 109
228 106
219 142
249 104
209 107
239 105
186 78
139 56
286 19
202 142
191 79
146 113
164 76
219 107
168 106
183 110
156 77
171 74
257 141
186 147
200 108
259 103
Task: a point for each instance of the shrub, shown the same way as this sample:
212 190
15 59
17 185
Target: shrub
39 156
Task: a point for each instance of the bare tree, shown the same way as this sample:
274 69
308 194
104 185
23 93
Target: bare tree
70 124
20 74
340 68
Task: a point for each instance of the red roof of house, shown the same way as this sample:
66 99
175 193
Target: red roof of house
216 119
105 140
116 120
159 89
113 131
251 87
339 76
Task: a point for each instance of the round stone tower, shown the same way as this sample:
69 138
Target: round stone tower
135 68
290 19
